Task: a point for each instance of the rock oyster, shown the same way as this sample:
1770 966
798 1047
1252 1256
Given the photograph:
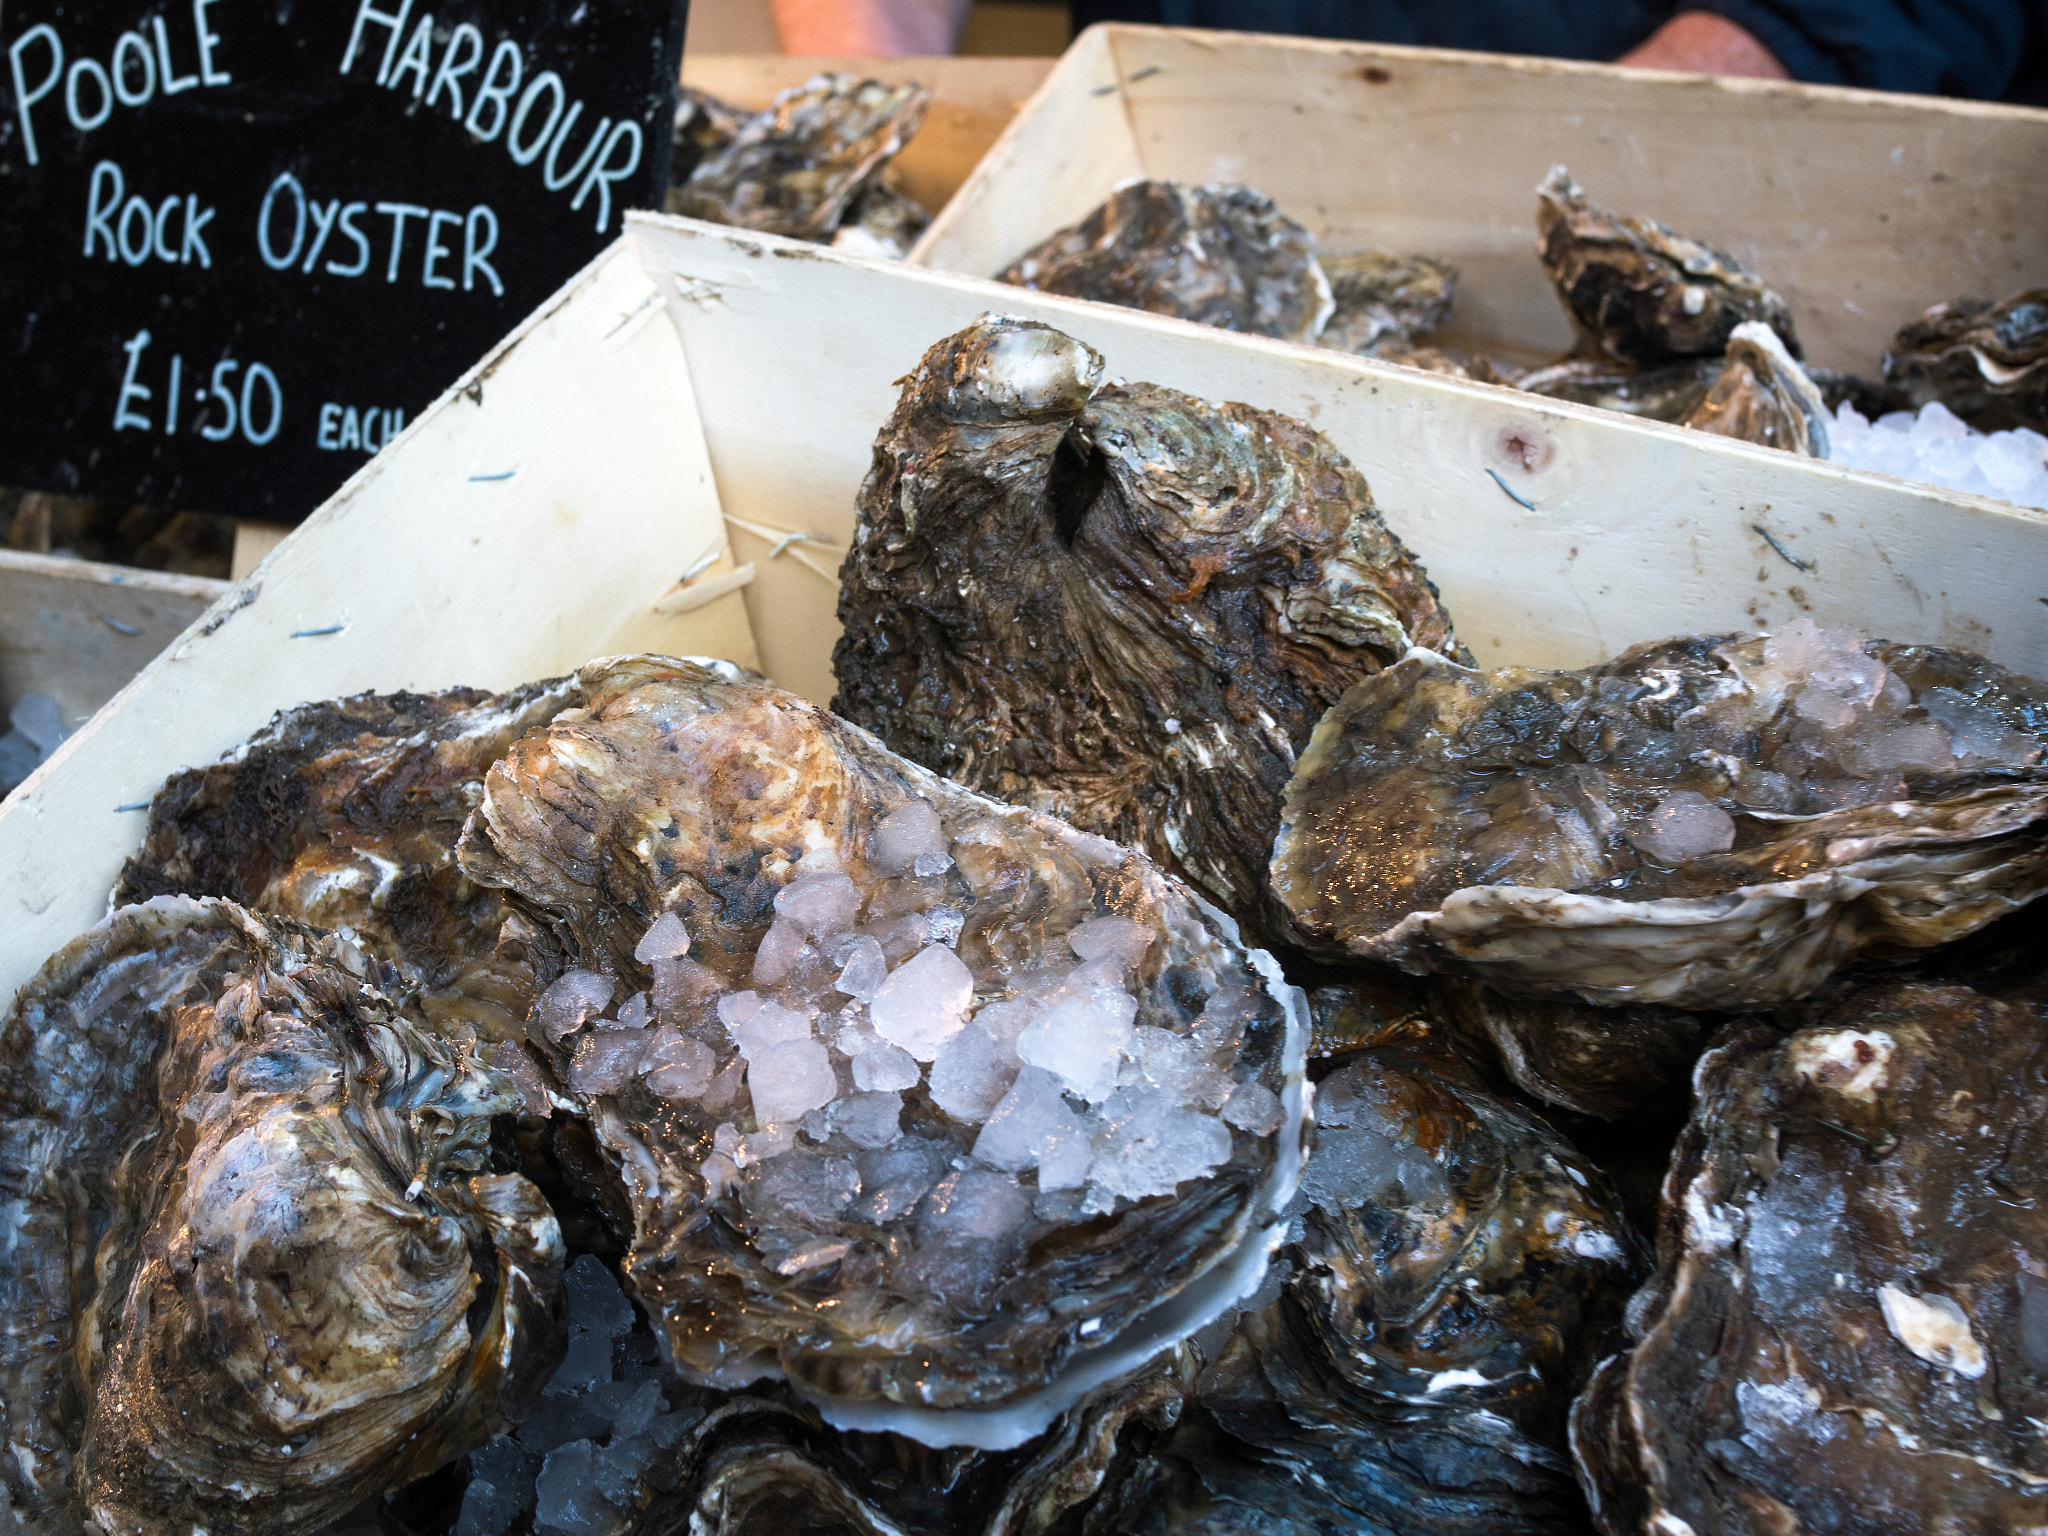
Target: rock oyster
1986 362
1220 255
307 1286
1640 292
1114 602
345 815
942 1110
1850 1297
1762 396
1384 303
802 167
1710 822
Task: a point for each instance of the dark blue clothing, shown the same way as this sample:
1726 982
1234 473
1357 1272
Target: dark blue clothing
1989 49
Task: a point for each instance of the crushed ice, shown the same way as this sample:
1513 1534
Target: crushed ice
1936 446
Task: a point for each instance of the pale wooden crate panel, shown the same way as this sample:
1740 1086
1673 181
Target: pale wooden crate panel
1637 531
78 631
1861 208
972 103
528 521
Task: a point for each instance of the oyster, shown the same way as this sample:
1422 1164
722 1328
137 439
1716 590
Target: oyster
1454 365
704 125
259 1267
883 223
1221 255
1851 1300
1114 602
1384 301
1986 362
798 168
1762 396
1640 292
1668 392
345 815
943 1111
1711 822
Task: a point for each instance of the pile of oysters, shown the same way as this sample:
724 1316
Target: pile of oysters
1175 1049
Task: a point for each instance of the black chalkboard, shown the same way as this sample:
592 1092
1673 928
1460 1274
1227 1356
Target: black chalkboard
242 242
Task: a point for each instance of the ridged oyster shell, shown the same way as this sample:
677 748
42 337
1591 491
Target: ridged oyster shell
1114 602
1384 303
1986 362
1640 292
1848 1327
1762 396
344 814
304 1283
952 1229
1711 822
1219 255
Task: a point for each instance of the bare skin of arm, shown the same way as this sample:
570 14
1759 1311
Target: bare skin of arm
1701 43
872 29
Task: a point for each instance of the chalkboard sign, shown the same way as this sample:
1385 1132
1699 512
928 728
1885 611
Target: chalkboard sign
244 241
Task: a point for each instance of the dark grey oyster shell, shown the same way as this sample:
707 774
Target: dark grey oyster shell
1384 302
1762 396
1453 364
259 1266
704 125
1115 603
1848 1327
344 815
1221 255
883 223
1640 292
798 168
947 1226
1986 362
1712 822
1668 392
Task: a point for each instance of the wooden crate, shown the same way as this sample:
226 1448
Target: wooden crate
541 512
1861 208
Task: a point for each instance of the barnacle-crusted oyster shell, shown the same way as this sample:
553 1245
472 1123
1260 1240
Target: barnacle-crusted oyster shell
259 1267
1116 603
797 168
1846 1328
1762 396
1457 1267
345 815
1711 822
1639 291
948 1226
1221 255
1986 362
1667 392
1384 302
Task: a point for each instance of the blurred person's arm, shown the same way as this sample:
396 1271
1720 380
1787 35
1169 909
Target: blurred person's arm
1702 43
873 29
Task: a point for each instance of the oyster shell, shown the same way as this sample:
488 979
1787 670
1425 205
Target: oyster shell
1221 255
1986 362
1384 301
1668 392
1454 365
1113 602
1850 1297
307 1287
1087 1169
1710 822
883 224
1762 396
1640 292
798 168
345 815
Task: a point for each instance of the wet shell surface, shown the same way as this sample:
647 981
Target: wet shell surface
941 1110
1713 822
1986 362
1221 255
1850 1300
1762 396
1114 602
306 1283
1384 303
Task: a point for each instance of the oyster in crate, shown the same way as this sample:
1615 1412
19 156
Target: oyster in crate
1762 396
345 815
1667 392
1717 822
1986 362
1639 291
1383 302
800 167
1116 603
1221 255
1851 1298
307 1284
942 1110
